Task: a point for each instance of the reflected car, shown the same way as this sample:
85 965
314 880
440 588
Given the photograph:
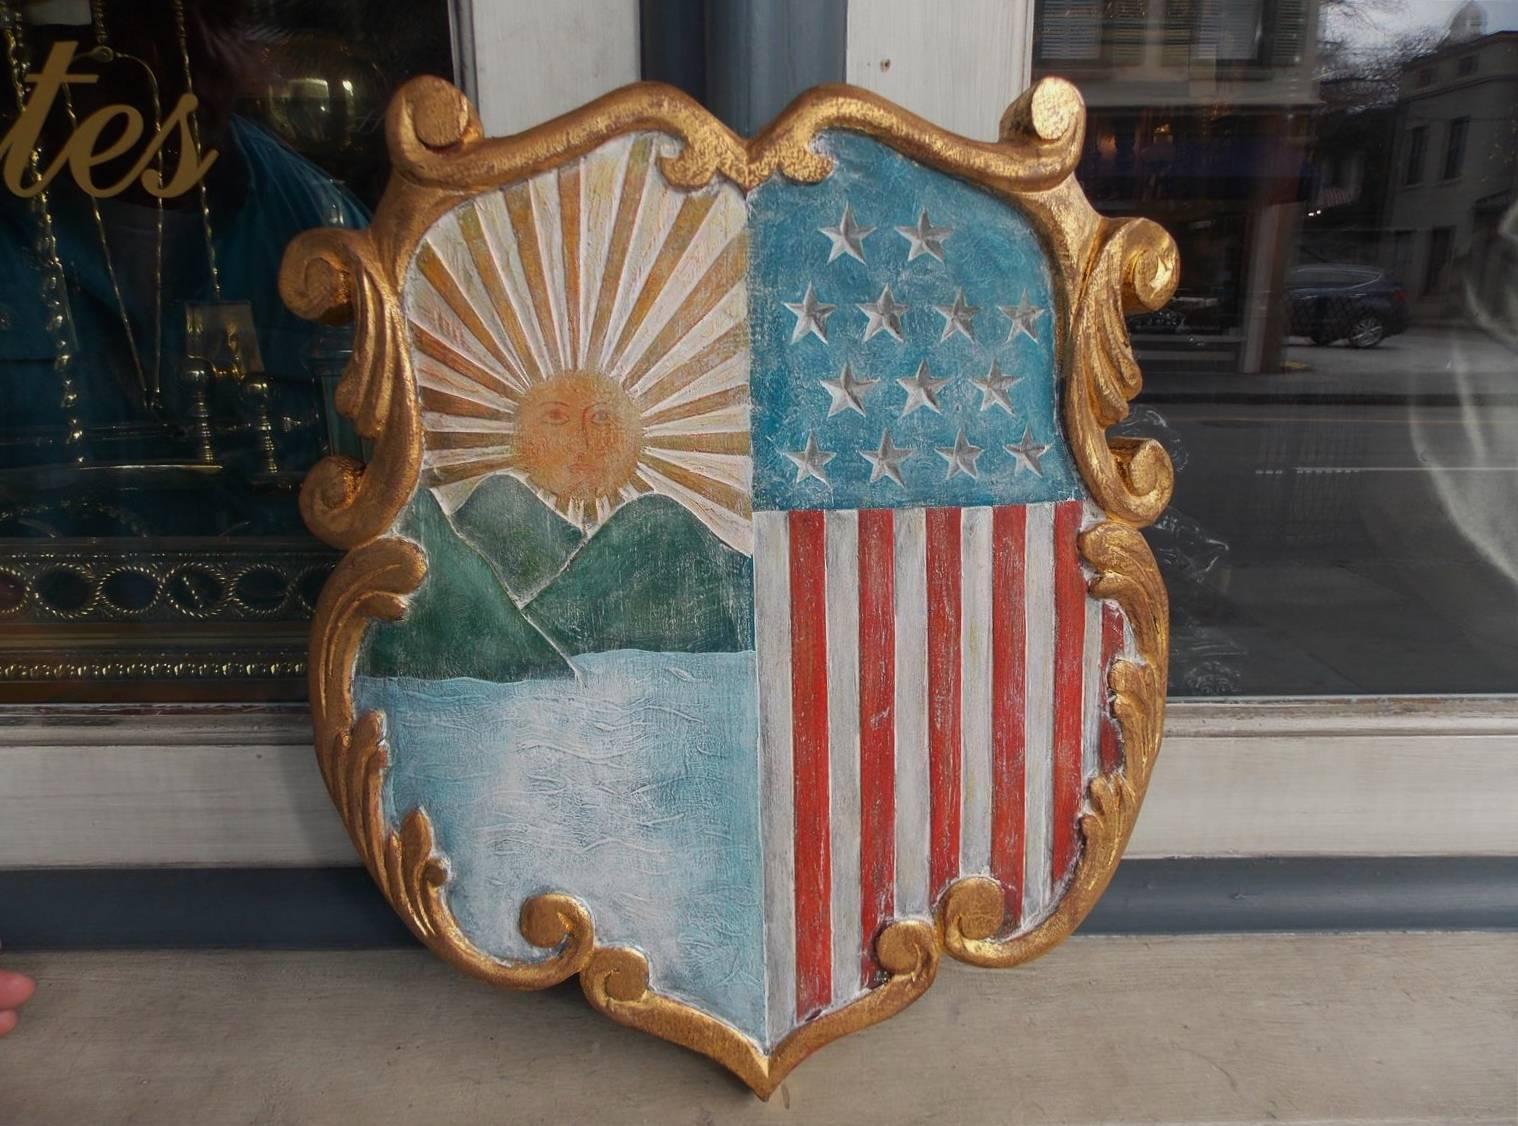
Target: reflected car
1358 304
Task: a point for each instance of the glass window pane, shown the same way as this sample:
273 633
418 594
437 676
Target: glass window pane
159 405
1337 377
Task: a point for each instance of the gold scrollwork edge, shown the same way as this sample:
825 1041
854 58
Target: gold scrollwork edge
616 983
435 137
373 582
335 276
972 911
1133 267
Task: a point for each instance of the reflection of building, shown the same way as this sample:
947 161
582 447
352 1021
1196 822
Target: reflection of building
1194 122
1454 171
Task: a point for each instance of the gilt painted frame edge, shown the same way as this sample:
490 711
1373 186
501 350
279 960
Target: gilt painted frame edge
1103 268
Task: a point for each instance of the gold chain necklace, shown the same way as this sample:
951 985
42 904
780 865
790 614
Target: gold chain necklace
205 199
148 383
55 294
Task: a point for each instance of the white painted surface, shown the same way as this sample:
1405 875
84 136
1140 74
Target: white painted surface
83 786
777 810
913 781
1038 709
976 771
957 64
1234 1029
536 59
844 803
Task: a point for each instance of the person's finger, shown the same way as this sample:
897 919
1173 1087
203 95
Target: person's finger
15 990
7 1022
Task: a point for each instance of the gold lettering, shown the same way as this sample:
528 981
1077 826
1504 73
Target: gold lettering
79 152
193 164
82 156
22 139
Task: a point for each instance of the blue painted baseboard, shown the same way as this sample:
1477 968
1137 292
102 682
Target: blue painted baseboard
338 908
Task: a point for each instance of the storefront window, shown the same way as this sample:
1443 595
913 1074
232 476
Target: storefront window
1336 379
160 405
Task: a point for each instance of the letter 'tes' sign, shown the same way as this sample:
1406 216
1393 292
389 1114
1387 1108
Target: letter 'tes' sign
744 606
84 149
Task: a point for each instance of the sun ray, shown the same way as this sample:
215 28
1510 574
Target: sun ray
548 221
435 270
677 240
466 439
628 201
435 348
432 373
441 401
718 492
568 180
519 207
719 442
489 270
449 472
728 396
724 273
713 356
495 222
504 428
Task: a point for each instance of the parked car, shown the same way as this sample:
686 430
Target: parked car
1359 304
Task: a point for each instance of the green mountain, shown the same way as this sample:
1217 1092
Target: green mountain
653 577
525 540
460 622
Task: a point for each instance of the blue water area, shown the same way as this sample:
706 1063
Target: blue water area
634 788
993 255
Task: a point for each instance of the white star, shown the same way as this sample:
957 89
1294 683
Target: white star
847 236
957 317
886 461
993 387
961 456
922 390
1027 452
810 461
846 390
885 315
1024 318
811 316
924 237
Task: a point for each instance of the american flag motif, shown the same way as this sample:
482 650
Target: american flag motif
932 670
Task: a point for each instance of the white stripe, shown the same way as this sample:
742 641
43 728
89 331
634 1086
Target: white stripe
1093 692
843 748
911 706
772 618
975 696
1039 711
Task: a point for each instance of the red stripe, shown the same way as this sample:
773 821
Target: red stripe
1009 681
809 727
944 691
1069 652
1112 644
877 727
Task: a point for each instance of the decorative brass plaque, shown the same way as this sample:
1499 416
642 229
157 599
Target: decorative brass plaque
744 605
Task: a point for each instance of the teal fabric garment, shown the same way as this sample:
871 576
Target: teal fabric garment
261 194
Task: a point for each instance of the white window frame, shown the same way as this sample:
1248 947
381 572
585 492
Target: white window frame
237 785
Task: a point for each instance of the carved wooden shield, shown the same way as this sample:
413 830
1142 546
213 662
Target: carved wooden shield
743 603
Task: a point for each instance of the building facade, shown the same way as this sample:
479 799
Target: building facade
1456 159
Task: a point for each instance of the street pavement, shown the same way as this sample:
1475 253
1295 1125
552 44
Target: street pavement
1347 526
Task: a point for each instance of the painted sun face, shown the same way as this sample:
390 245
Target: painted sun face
586 332
578 436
